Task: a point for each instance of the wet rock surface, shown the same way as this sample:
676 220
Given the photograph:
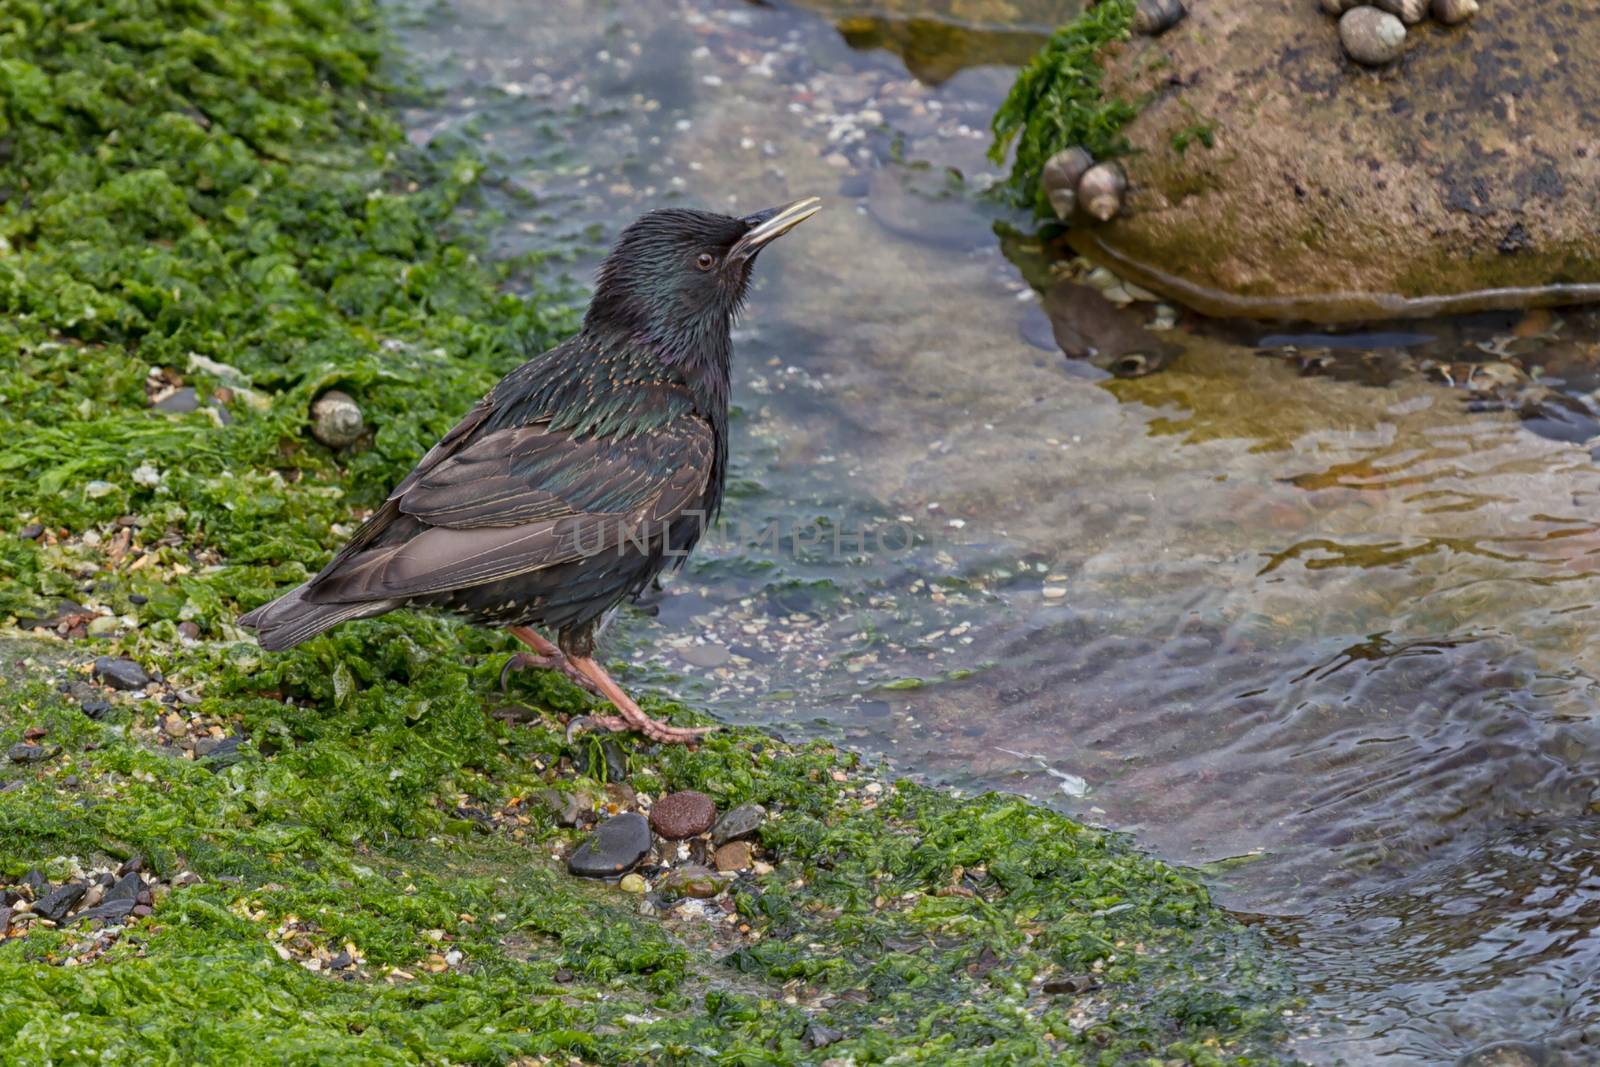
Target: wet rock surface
684 814
738 823
120 673
1463 177
616 846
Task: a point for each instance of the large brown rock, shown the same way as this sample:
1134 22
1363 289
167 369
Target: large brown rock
1466 175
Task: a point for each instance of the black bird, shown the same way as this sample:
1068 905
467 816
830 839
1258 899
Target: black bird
580 477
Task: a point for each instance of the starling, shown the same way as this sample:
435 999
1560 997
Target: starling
579 478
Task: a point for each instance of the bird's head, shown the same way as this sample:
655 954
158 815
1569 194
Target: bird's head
677 277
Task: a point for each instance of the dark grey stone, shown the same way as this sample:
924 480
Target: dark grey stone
738 823
616 847
58 902
120 673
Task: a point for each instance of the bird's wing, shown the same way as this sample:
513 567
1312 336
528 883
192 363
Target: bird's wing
522 499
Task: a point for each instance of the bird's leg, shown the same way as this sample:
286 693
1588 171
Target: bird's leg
632 717
545 656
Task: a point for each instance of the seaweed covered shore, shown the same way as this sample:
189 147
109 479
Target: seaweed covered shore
354 852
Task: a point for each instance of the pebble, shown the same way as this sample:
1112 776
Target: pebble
734 856
1371 36
179 402
1155 17
104 626
1409 12
336 419
690 880
119 673
683 814
569 806
740 822
616 846
22 752
31 532
633 883
820 1036
611 754
1339 7
215 755
1451 12
58 902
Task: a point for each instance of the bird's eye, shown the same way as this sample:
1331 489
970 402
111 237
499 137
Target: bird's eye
705 261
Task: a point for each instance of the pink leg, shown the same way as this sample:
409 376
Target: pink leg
545 656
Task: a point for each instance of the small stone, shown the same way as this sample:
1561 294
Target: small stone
120 673
141 910
104 626
633 883
57 903
1155 17
128 887
179 402
1409 12
1371 36
615 761
1451 12
734 856
22 752
616 846
1100 190
1059 179
1339 7
690 880
336 420
820 1036
1071 984
94 491
741 822
190 631
571 807
183 878
218 754
36 882
31 532
685 814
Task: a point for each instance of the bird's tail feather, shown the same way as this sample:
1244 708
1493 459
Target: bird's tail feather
292 618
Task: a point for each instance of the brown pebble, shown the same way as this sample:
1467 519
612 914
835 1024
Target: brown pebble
142 910
734 856
685 814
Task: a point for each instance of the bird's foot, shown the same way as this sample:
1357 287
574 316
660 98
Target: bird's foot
546 662
630 716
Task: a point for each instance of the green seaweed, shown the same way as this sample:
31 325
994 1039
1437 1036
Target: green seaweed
1057 102
220 194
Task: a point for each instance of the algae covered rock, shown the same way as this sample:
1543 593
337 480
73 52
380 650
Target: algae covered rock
1270 176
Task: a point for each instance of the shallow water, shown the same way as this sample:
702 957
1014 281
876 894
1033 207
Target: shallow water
1316 621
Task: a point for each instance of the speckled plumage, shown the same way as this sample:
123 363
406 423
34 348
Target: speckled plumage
582 475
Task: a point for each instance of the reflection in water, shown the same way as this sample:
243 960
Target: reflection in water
1318 620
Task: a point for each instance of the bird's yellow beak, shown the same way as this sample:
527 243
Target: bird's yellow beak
766 226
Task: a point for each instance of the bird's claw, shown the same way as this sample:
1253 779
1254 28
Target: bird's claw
553 662
653 729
